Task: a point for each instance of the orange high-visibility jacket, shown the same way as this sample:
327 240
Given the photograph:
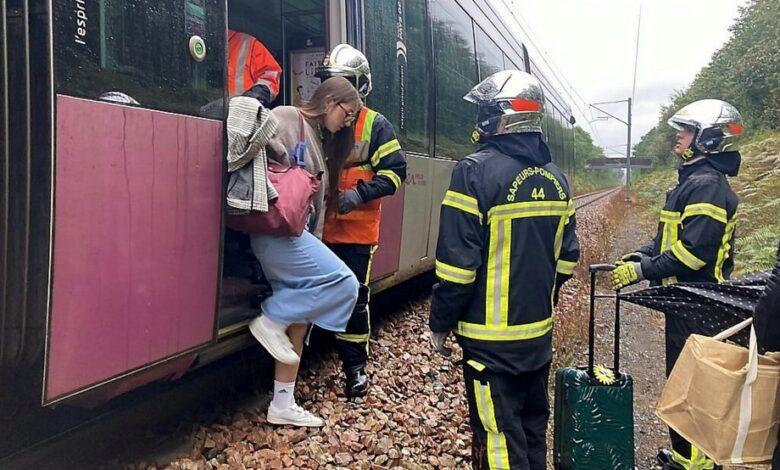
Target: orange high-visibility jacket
250 64
376 168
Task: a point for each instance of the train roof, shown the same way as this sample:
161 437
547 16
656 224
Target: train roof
486 16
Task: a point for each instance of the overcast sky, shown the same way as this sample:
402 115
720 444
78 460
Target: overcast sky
592 44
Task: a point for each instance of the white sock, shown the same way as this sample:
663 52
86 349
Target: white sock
272 325
283 395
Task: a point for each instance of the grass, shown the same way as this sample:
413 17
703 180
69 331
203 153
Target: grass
758 189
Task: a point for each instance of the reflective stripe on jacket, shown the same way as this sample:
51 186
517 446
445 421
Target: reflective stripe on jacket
694 242
377 168
507 231
250 64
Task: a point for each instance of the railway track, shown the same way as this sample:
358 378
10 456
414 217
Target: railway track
589 198
127 427
94 436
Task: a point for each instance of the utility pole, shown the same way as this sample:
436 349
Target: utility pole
627 122
628 155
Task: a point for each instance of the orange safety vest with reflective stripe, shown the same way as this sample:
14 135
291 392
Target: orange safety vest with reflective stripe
361 226
250 64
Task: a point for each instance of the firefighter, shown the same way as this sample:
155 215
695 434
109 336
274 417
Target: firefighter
376 168
694 242
507 244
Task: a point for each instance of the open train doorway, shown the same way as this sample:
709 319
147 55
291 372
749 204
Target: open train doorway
296 33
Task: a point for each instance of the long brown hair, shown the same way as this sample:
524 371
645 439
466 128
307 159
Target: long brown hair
337 147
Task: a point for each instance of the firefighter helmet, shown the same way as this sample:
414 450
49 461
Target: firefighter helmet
716 124
509 101
348 62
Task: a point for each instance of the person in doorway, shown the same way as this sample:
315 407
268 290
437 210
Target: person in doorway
309 283
507 243
376 169
694 242
252 71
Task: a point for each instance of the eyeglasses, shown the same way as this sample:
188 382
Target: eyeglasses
349 116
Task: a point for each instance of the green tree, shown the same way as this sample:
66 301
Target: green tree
744 72
584 150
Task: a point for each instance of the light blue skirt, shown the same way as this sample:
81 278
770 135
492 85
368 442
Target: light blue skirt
310 284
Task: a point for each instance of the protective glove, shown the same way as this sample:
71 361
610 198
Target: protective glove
635 257
438 340
626 274
261 93
349 200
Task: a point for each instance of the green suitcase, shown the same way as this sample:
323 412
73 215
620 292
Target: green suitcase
594 418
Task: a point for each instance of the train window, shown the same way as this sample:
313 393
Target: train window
515 62
456 74
489 56
138 52
264 22
401 79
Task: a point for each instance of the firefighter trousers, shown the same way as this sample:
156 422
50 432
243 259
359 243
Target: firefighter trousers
508 415
352 345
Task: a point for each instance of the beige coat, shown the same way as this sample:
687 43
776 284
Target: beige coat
280 149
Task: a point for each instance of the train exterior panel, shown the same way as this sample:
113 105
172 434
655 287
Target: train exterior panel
113 269
137 242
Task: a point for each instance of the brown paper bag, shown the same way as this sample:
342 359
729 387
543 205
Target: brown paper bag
724 398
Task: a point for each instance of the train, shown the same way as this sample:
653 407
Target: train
113 267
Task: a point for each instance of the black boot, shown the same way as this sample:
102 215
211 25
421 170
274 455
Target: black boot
664 458
357 381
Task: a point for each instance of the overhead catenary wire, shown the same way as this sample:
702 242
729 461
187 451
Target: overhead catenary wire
564 83
636 52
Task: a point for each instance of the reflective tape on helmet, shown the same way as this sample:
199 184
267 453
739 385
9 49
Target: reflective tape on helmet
525 105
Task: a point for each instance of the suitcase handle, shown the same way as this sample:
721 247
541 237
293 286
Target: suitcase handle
594 268
601 267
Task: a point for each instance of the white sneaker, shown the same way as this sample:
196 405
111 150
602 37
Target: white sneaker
294 415
274 341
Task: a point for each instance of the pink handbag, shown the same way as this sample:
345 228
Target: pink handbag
287 214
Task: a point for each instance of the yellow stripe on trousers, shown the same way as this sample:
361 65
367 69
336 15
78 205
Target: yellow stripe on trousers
498 454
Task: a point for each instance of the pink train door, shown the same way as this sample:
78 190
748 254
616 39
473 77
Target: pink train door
138 189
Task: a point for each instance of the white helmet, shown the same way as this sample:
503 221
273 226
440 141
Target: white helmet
716 123
509 102
348 62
